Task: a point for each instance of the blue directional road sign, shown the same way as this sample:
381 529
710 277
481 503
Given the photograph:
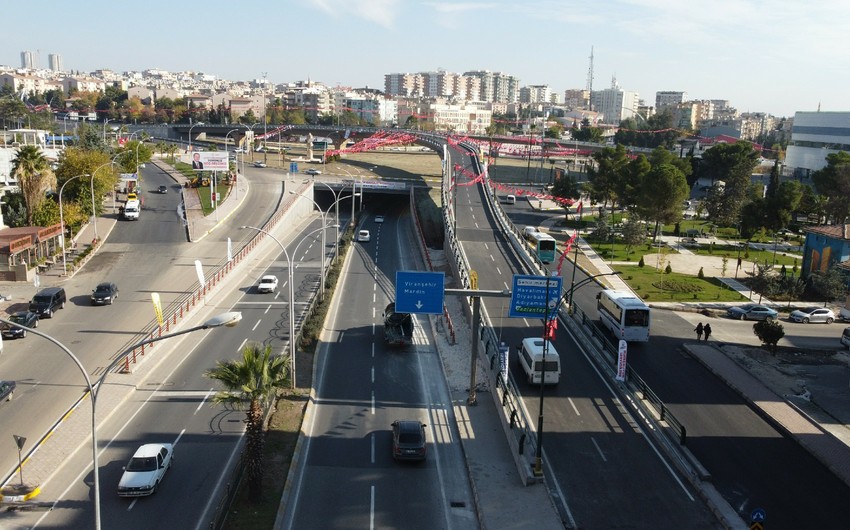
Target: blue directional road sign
529 298
758 515
419 292
293 167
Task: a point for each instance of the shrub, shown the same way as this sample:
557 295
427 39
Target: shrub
769 332
701 274
668 269
641 263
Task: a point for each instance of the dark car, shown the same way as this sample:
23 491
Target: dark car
162 189
48 301
752 312
23 318
7 388
104 294
408 440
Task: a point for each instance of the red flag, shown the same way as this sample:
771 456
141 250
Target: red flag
551 326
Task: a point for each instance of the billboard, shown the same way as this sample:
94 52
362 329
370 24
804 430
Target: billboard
206 160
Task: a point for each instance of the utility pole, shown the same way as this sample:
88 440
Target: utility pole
265 125
590 82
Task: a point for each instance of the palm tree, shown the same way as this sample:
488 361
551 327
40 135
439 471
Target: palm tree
251 382
34 176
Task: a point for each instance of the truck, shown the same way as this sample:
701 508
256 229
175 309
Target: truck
131 210
398 327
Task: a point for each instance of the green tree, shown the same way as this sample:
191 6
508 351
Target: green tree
833 182
14 210
662 192
34 176
586 133
605 177
627 188
566 187
769 332
732 164
76 161
251 382
828 286
634 233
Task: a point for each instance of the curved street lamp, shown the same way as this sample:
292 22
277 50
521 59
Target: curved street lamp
190 132
325 225
62 218
290 290
337 199
229 319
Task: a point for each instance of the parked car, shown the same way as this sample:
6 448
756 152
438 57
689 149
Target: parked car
259 164
312 171
145 470
812 314
104 294
48 301
162 189
7 388
408 440
752 312
23 318
268 284
845 338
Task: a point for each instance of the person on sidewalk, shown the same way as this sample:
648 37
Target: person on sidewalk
707 330
699 331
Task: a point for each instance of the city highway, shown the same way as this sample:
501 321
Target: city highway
751 461
605 471
149 255
362 386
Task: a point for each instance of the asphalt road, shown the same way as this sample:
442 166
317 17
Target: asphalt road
595 450
752 463
362 386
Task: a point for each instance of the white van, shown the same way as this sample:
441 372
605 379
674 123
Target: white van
131 210
510 199
531 359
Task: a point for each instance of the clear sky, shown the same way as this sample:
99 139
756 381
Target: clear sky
777 56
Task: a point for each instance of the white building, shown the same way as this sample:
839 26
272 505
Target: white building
669 98
54 60
615 104
814 135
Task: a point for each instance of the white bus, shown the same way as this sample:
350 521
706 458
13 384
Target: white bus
531 359
624 314
544 246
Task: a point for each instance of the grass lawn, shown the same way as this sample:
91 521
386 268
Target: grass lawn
655 286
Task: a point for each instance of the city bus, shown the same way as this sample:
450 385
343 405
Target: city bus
544 245
624 314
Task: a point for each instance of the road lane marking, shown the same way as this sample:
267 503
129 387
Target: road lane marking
257 324
203 401
574 406
241 345
372 509
599 449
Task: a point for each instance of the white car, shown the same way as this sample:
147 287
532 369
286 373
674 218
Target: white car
268 284
259 164
813 314
145 470
312 171
363 236
379 218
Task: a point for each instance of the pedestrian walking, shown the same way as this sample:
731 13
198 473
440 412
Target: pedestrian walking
707 330
699 330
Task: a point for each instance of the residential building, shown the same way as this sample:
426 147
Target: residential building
826 246
577 98
441 116
614 104
535 94
669 98
28 60
495 87
82 84
54 60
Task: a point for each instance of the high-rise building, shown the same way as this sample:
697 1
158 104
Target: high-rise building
669 98
614 104
54 61
535 94
27 60
496 87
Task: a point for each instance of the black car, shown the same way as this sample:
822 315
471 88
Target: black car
104 294
408 440
23 318
162 189
48 301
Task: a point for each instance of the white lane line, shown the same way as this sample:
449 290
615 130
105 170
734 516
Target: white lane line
373 375
592 439
574 406
203 401
373 403
268 308
241 345
372 509
257 324
499 271
373 448
492 258
373 350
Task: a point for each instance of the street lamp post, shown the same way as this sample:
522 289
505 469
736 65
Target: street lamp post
105 121
62 218
229 319
337 199
190 132
324 242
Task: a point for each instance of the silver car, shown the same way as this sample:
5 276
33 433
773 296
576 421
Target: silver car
752 312
813 314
